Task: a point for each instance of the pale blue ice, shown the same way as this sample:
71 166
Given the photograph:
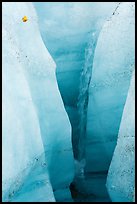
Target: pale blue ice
68 102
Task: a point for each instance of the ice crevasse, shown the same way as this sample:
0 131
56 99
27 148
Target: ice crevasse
91 79
112 70
36 129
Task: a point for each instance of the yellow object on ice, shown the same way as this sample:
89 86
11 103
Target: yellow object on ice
25 18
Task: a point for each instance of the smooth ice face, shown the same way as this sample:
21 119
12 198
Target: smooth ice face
108 69
22 142
112 68
34 113
121 175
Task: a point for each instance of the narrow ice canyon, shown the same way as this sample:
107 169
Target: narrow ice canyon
68 102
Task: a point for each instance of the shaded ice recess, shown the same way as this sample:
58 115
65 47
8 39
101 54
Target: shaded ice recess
66 29
35 146
111 73
121 174
94 66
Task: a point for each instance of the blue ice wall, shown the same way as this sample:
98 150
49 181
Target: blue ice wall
81 56
66 29
112 69
33 113
121 175
93 46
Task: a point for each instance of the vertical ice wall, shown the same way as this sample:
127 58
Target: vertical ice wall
112 69
121 175
22 142
34 118
111 72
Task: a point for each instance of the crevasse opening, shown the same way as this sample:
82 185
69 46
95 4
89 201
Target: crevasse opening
69 81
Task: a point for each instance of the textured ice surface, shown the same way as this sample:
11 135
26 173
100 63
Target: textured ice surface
22 141
33 110
36 185
110 74
92 45
77 41
112 68
121 175
67 28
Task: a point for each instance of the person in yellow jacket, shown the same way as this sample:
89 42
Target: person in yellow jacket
24 19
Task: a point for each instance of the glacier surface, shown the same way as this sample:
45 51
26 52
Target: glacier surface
68 102
33 110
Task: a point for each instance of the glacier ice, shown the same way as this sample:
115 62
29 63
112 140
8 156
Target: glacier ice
100 62
112 68
121 174
76 59
31 105
67 38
